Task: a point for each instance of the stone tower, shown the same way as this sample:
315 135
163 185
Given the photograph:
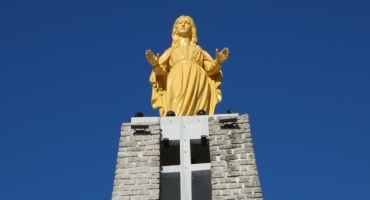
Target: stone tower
192 157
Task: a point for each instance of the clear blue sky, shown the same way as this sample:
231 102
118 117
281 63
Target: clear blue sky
72 71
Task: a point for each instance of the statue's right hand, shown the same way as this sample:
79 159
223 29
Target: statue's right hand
152 59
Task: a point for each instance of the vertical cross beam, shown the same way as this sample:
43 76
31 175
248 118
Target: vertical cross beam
185 129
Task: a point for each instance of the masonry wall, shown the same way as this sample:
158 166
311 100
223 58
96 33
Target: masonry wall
233 165
137 170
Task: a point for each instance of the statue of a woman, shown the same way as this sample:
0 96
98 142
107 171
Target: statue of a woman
185 78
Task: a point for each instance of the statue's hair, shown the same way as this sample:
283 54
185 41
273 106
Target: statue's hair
193 39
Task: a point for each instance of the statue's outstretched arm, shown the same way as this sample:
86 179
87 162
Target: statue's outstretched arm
158 69
152 59
212 67
222 55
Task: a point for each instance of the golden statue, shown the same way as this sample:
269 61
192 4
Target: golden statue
185 78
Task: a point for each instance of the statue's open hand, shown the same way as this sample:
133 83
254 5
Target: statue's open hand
152 59
222 55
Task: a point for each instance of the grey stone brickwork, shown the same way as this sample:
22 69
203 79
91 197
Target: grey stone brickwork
137 170
233 165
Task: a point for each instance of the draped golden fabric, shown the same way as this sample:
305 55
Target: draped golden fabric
186 81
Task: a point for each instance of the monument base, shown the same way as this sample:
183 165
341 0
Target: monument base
192 157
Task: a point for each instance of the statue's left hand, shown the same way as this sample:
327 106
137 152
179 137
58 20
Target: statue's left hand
222 55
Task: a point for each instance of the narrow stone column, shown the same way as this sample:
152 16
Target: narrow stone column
233 165
138 167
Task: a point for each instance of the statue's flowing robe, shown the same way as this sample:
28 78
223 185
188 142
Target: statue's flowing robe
186 80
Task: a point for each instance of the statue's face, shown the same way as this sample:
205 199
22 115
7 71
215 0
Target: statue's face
183 27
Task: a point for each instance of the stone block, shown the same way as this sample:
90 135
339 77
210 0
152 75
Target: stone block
219 186
137 138
152 175
218 175
217 143
234 185
152 186
246 191
128 149
228 157
154 169
150 197
154 181
124 165
246 126
217 169
254 195
138 170
248 144
227 180
225 192
148 142
213 128
230 146
138 159
257 190
144 192
154 191
156 147
234 136
235 191
213 158
127 133
220 132
244 179
244 150
213 148
127 154
122 198
234 174
121 188
252 184
217 153
136 187
215 137
151 153
234 167
151 164
215 192
128 144
154 158
129 182
254 179
218 163
240 141
249 173
138 164
244 162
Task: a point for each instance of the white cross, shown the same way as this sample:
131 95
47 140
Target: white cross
185 129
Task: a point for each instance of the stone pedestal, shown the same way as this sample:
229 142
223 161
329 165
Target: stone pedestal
231 170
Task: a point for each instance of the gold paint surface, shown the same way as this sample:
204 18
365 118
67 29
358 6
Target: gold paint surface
185 78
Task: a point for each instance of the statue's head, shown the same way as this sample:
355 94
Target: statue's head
184 26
